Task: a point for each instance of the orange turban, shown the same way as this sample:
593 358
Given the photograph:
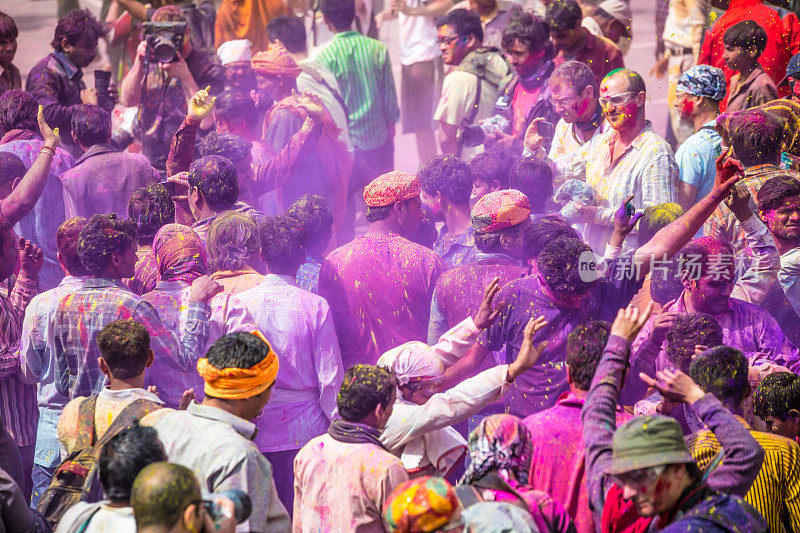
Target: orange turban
275 62
390 188
239 383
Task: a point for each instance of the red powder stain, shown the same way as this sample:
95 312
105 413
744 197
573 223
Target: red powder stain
687 107
582 108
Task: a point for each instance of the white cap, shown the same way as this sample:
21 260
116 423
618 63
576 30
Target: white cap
235 51
619 10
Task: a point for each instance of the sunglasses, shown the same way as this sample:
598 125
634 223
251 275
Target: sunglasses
617 99
641 477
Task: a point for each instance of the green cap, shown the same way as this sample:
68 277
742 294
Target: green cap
647 441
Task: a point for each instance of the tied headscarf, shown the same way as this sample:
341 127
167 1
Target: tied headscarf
275 62
703 80
239 383
180 253
421 505
412 361
502 443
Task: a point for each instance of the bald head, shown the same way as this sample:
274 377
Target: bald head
161 493
631 79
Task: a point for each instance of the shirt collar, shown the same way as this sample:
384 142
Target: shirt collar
345 34
757 71
73 280
243 427
172 285
98 283
761 169
97 149
278 279
130 394
69 67
480 256
639 141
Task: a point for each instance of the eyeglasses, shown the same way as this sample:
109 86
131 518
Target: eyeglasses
563 101
641 477
617 99
447 41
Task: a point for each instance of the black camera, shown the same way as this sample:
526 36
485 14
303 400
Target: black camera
242 505
164 40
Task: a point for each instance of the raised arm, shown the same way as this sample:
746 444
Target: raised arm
27 192
743 455
599 410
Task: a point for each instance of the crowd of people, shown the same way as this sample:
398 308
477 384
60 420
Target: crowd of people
223 308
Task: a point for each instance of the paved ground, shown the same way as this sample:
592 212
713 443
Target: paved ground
37 19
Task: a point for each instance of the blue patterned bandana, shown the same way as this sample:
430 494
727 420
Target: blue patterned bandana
703 80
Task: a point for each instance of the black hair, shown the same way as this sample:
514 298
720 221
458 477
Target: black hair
558 266
375 214
585 345
534 179
688 331
290 31
125 347
216 178
282 244
530 30
11 168
490 242
77 25
745 34
103 236
364 387
723 372
543 230
576 75
237 350
564 15
775 191
8 28
18 110
149 209
90 125
67 244
694 257
756 137
464 23
448 175
232 104
492 165
665 283
124 456
232 147
312 212
777 394
339 13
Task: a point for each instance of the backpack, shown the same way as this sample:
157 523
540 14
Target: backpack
76 479
478 62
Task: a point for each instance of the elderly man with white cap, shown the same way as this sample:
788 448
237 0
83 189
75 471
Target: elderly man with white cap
235 58
611 19
418 430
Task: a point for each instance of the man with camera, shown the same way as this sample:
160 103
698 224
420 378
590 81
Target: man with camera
165 75
57 80
469 91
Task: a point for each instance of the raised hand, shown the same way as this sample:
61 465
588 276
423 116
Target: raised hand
623 222
486 315
532 140
729 171
30 257
312 104
674 385
51 136
528 354
186 399
201 104
738 201
630 321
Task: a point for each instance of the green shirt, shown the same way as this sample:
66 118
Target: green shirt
361 66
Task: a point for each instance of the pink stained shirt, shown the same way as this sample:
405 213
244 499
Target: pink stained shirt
557 467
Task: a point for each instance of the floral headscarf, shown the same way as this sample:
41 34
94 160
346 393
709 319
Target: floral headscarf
503 443
180 253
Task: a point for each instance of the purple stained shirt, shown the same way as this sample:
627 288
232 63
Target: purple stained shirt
540 387
379 288
557 467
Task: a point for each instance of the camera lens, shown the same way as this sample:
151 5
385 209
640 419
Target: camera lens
164 48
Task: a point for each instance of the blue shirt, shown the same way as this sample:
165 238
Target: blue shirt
696 159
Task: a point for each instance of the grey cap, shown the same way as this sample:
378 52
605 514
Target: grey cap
647 441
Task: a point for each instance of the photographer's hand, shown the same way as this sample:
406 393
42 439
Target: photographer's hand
179 70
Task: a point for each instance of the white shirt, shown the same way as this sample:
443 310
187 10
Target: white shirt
417 37
299 326
105 520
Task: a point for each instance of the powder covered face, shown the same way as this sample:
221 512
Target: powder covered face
621 106
452 46
686 105
784 222
711 292
524 61
567 103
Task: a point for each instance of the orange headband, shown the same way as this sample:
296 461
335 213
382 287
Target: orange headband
239 383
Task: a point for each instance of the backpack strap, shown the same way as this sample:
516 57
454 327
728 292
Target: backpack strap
127 417
467 495
86 432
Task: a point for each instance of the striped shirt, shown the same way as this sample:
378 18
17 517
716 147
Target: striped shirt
776 491
18 412
361 66
646 170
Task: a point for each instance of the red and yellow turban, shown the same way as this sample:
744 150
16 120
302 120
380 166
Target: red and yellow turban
275 62
420 505
390 188
500 209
